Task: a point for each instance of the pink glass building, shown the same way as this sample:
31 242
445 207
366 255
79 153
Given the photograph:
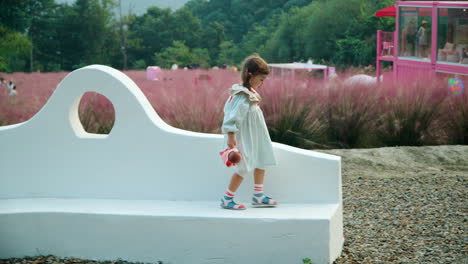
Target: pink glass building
430 40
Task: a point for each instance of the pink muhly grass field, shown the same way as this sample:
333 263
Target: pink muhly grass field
34 89
453 118
349 112
189 99
302 112
411 114
186 99
292 110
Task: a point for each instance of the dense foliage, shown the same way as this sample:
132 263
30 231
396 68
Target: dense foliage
47 36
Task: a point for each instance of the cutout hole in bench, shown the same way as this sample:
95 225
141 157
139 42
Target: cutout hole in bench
96 113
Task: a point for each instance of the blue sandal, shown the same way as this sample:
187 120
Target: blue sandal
261 200
228 203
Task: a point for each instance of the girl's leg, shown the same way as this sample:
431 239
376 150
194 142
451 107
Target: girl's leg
259 198
236 181
227 202
259 176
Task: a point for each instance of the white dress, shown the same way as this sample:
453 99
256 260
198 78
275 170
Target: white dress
244 117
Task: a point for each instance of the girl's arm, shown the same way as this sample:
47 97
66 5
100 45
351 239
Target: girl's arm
231 140
234 112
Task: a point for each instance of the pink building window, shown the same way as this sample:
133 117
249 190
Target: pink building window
415 32
452 36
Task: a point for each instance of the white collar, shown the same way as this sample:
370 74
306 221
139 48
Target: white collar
253 95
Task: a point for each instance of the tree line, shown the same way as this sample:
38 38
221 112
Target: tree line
48 36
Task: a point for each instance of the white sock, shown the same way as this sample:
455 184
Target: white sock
228 198
258 189
228 194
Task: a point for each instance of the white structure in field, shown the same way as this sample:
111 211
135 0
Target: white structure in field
153 73
150 192
362 79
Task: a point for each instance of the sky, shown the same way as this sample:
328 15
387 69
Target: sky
139 6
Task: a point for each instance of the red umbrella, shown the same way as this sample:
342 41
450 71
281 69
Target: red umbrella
389 11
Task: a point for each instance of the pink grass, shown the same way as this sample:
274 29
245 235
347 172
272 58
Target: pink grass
301 112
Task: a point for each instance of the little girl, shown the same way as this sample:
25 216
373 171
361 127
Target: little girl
244 127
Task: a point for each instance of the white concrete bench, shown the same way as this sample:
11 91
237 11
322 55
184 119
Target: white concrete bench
150 192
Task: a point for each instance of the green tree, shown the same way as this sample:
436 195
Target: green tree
228 53
42 33
202 57
347 40
93 18
181 55
158 28
14 14
14 49
316 31
186 27
85 30
287 43
27 17
256 39
212 38
239 16
64 37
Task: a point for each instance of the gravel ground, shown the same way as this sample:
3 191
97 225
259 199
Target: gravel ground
401 205
405 204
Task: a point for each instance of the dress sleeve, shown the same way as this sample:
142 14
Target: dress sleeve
235 111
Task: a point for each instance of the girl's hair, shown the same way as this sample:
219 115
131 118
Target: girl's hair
255 65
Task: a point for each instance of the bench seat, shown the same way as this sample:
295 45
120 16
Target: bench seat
167 231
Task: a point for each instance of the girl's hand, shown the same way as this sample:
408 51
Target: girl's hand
231 140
